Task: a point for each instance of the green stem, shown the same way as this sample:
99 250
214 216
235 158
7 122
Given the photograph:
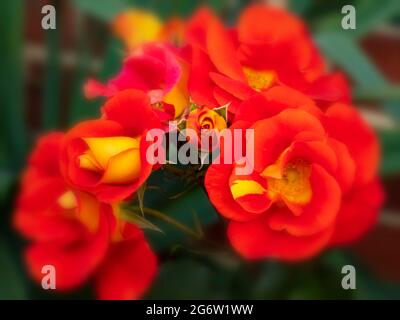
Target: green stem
171 221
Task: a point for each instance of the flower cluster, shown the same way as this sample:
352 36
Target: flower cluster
314 183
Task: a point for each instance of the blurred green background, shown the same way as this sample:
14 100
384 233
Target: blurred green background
42 73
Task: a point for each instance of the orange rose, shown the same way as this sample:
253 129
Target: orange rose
155 69
312 172
107 157
207 121
138 27
267 47
79 236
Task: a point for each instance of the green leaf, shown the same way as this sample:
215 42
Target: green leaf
344 52
223 111
182 124
372 13
389 93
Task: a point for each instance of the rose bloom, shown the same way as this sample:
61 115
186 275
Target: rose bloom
81 237
267 47
137 27
154 69
207 122
314 182
107 157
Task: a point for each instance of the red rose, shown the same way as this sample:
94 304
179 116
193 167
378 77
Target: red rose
268 47
79 236
154 69
107 157
310 174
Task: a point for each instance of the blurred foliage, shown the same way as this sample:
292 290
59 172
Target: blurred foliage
186 273
12 285
390 144
13 128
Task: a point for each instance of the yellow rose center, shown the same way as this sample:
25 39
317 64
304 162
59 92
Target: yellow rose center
294 184
291 185
116 158
259 79
207 123
211 120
